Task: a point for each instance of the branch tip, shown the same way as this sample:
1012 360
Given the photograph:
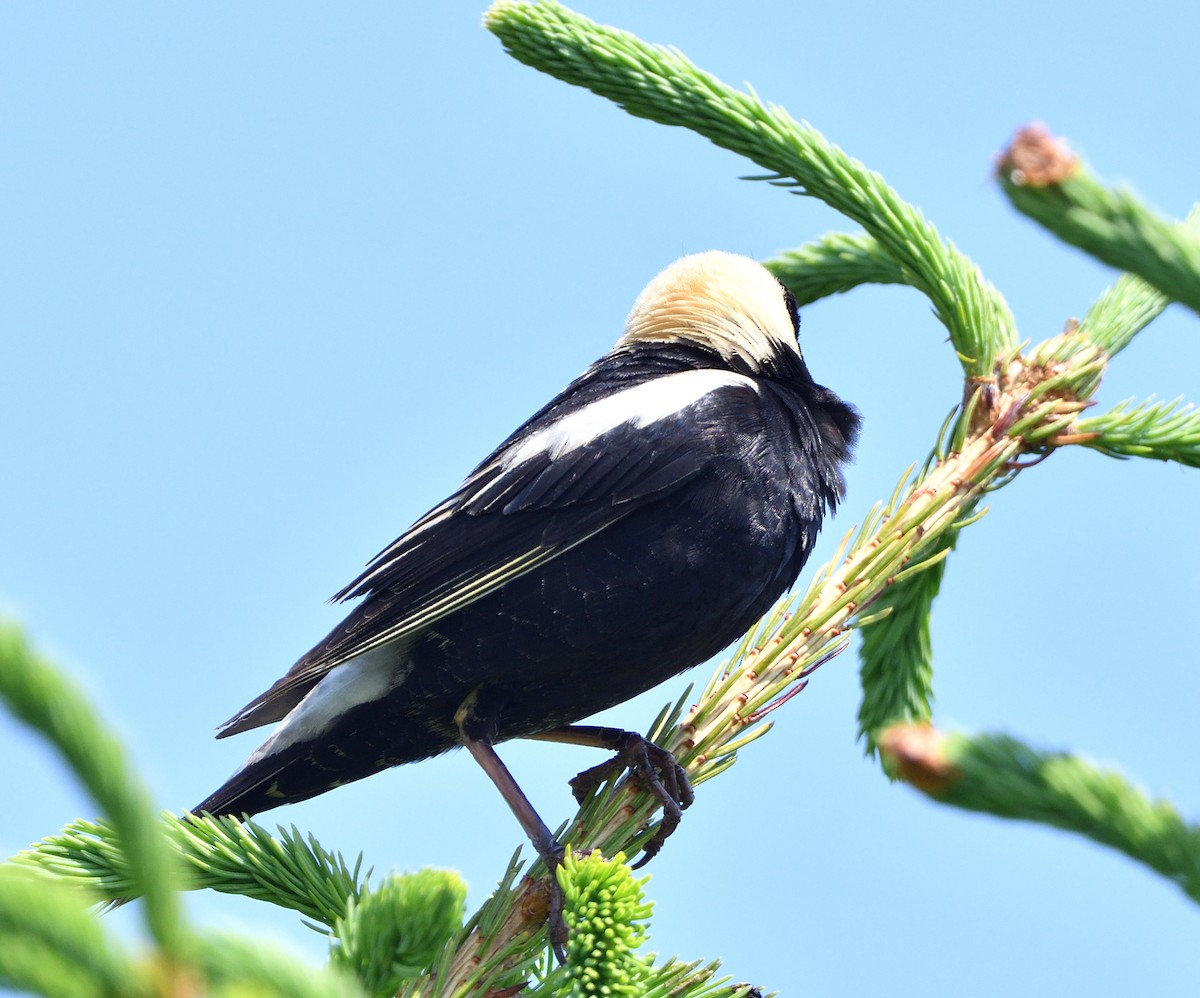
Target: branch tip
1036 158
916 754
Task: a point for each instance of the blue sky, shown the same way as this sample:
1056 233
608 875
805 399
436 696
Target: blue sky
276 276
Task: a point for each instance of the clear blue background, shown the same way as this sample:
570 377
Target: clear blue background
277 275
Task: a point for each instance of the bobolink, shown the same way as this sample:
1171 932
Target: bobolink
632 528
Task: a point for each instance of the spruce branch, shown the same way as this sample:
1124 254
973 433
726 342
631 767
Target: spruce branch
1123 311
691 980
659 83
225 854
1046 181
1165 431
1128 306
835 263
51 939
51 942
238 966
42 698
1002 776
396 931
382 936
497 955
496 952
896 653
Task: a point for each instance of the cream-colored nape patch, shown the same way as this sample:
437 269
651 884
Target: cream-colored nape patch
724 302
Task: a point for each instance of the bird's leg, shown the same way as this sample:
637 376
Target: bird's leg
652 766
477 734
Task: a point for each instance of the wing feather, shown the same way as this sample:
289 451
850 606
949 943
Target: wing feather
511 516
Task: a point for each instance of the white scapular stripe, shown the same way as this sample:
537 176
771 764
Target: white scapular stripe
362 679
640 406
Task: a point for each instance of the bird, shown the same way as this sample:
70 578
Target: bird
632 528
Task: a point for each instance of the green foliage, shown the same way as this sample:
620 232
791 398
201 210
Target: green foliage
835 263
1166 431
896 655
230 856
1016 407
1110 223
234 966
51 942
42 698
1000 775
659 83
1122 312
605 912
397 930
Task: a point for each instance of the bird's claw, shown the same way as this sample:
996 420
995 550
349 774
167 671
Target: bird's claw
657 771
556 926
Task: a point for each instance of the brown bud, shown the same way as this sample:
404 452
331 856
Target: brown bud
916 753
1036 158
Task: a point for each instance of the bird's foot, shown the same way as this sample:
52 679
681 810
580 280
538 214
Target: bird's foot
556 926
656 770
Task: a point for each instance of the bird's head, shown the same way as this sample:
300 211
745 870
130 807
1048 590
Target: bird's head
724 303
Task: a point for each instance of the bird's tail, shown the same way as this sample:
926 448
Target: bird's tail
291 769
294 766
256 787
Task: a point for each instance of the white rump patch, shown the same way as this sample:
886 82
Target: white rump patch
369 676
639 406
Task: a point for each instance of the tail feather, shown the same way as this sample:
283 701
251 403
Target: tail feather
357 721
252 789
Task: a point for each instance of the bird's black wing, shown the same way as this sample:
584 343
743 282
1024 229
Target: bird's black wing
535 498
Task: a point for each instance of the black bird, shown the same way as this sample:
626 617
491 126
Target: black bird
632 528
